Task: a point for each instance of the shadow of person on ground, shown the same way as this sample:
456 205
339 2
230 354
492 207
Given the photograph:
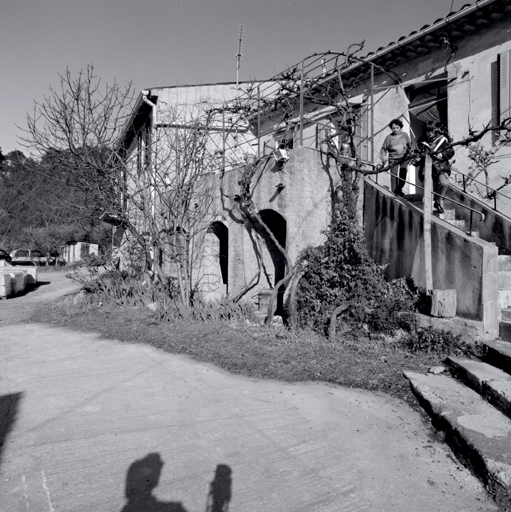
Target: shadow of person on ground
142 477
220 490
8 410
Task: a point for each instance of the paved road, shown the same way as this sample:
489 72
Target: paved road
92 424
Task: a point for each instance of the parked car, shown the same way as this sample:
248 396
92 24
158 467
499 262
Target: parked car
4 256
26 257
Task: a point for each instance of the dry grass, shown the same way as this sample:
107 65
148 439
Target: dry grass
254 350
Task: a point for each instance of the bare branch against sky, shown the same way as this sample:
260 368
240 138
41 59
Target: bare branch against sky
169 42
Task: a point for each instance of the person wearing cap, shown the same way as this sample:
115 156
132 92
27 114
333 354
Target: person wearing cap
436 143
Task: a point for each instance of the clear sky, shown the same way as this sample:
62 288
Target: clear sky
168 42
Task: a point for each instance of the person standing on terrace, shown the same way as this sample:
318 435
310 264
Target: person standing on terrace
394 151
436 143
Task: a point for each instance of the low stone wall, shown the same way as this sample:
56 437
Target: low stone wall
394 237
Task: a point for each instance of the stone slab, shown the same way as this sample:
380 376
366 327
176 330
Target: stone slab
477 431
471 330
491 383
506 314
498 353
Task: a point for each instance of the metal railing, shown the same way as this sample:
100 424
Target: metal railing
471 210
491 195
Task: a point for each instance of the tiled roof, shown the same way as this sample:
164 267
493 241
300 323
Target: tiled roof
455 26
470 18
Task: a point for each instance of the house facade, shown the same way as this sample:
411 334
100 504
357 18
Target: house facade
455 71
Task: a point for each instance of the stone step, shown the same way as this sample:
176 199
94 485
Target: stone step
414 198
460 224
491 383
498 353
476 431
449 215
504 280
504 298
504 262
505 330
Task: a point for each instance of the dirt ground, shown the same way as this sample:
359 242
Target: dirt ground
81 413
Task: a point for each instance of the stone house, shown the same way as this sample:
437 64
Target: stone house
455 70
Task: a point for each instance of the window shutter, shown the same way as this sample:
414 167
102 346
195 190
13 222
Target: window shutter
504 89
495 100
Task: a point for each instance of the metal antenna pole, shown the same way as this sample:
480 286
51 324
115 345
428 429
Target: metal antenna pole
238 56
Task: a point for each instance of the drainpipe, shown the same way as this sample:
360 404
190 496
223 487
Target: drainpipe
152 164
301 103
146 100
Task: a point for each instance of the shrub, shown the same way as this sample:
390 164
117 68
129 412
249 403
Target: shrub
440 342
125 289
340 271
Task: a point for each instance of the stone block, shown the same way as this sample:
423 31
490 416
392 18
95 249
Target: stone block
503 299
443 303
505 330
460 224
504 262
450 215
491 312
504 280
17 281
31 276
5 286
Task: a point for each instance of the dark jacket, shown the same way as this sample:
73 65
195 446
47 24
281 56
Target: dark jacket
440 151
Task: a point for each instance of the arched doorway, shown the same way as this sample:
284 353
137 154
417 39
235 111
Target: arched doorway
221 232
278 227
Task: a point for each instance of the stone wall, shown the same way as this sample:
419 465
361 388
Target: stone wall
301 194
394 237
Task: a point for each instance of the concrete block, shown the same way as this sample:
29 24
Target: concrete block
505 314
5 278
505 330
503 299
491 312
460 224
449 215
17 281
505 263
504 280
31 276
5 286
443 303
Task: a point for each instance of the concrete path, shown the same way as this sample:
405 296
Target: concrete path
90 424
